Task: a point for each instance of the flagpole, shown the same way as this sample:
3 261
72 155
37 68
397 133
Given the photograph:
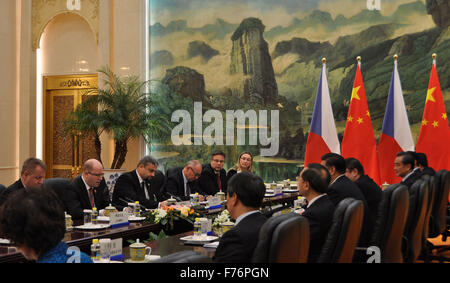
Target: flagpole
434 59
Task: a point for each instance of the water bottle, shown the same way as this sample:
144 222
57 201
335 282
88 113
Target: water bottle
95 250
197 228
137 209
94 216
68 221
298 203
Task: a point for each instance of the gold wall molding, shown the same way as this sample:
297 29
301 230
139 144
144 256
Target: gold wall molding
43 11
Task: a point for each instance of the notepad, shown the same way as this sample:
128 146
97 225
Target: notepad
211 245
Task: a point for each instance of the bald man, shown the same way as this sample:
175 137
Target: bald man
90 188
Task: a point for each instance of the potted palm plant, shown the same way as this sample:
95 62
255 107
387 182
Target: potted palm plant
123 109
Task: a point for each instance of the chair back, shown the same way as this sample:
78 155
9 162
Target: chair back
437 224
61 186
187 256
283 239
413 232
431 195
390 224
344 232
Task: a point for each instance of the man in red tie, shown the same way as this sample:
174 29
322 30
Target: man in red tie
214 177
90 188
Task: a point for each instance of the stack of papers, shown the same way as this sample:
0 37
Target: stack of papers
211 245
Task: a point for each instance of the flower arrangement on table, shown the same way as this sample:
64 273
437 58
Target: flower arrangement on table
167 216
222 220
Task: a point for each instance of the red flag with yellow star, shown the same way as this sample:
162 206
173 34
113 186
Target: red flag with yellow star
434 136
359 139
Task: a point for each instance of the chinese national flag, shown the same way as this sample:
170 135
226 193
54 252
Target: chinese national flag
359 140
434 137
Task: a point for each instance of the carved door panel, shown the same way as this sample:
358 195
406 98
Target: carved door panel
65 153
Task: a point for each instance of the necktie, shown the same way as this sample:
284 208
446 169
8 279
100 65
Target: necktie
219 182
91 197
145 191
188 190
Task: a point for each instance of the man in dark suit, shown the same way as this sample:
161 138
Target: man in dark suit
183 181
422 163
90 189
370 189
143 184
404 167
312 184
341 187
214 177
245 194
32 176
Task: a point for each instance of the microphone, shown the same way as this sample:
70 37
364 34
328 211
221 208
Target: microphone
175 197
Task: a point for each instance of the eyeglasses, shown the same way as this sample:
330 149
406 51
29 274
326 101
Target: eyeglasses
218 161
246 159
97 175
195 173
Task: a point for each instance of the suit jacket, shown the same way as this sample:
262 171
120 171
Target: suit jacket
128 189
231 173
208 180
412 178
343 188
239 243
175 184
428 171
18 185
320 217
372 193
101 195
2 188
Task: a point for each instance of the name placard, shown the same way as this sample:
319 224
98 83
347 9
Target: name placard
214 202
118 219
278 190
116 247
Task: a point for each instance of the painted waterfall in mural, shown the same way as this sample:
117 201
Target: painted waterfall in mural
256 55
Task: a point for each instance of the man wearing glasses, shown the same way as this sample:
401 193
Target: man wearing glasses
90 188
182 181
214 177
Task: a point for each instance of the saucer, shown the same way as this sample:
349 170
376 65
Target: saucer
148 258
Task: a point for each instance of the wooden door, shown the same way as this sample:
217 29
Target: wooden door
65 153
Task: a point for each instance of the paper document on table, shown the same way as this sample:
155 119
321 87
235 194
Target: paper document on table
211 245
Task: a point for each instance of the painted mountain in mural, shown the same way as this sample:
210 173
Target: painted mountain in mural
249 62
250 59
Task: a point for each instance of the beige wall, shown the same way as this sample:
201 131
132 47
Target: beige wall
68 46
8 91
119 44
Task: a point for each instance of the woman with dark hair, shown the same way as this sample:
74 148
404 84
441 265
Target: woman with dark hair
244 164
34 221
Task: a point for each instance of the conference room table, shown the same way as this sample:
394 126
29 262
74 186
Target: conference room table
83 238
173 244
137 230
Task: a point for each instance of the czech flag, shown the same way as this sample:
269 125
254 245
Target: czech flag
396 133
359 140
434 137
322 137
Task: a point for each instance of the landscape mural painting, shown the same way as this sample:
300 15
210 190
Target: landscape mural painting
213 58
